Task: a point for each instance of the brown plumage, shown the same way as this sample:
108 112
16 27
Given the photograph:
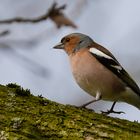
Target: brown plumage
98 72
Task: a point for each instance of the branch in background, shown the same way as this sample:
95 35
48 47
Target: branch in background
54 13
58 17
4 33
27 63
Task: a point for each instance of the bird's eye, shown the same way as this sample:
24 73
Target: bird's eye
63 40
67 39
80 41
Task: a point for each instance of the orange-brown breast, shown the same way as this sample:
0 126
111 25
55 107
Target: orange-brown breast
93 76
70 46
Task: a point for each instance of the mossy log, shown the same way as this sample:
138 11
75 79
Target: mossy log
27 117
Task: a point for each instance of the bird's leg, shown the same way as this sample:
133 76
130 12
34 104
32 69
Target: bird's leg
97 98
111 110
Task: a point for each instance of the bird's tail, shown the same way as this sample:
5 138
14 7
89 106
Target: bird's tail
132 98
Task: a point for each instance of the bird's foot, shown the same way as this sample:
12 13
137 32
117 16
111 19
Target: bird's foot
82 106
112 111
92 101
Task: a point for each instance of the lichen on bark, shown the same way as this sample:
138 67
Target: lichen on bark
27 117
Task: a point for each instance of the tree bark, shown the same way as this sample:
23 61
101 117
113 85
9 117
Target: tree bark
27 117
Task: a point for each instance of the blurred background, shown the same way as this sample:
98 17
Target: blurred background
27 57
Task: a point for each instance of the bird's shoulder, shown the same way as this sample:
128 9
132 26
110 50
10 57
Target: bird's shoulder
106 58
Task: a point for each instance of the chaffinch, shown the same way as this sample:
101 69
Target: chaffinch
98 72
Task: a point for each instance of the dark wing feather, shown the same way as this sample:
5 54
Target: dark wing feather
114 66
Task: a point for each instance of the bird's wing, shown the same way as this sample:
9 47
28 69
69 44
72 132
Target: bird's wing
110 62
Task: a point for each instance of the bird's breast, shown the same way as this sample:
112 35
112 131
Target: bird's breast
92 76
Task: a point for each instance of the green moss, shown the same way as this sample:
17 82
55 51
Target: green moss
27 117
13 85
19 90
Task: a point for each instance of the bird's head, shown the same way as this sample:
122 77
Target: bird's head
74 42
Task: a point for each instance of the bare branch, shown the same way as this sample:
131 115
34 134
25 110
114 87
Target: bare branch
59 18
54 13
4 33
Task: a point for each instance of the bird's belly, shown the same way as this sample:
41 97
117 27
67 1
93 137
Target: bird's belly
93 84
96 78
86 83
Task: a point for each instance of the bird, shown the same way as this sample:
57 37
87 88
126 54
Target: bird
98 72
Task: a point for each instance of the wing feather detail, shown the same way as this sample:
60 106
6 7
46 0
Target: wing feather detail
110 62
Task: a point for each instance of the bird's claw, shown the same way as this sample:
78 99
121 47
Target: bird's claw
112 111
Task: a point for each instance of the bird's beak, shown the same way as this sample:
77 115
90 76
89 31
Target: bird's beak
59 46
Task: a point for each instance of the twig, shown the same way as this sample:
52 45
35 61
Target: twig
4 33
21 19
54 13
